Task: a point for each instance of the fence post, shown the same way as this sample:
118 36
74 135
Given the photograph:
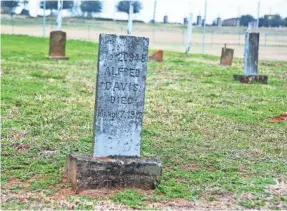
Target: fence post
189 34
12 23
130 20
44 18
59 16
204 27
238 38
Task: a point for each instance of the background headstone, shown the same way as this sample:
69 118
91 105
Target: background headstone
251 60
57 48
251 53
226 56
120 92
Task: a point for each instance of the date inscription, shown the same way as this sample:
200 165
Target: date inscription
120 115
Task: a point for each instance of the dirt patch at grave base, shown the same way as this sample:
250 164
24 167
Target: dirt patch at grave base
280 118
17 182
61 200
225 202
279 190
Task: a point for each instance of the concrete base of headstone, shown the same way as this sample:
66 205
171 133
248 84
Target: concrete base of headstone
58 57
86 172
226 56
57 50
248 79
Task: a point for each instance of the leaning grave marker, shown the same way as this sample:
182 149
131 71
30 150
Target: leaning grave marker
251 61
120 91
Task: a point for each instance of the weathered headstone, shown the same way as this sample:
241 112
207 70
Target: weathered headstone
120 90
251 60
251 53
156 56
57 48
120 95
226 56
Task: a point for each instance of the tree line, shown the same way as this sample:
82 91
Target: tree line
88 7
265 21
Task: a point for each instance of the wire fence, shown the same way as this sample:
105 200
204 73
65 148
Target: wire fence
273 41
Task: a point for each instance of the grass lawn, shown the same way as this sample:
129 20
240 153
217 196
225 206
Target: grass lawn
212 133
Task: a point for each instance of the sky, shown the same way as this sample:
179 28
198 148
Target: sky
178 9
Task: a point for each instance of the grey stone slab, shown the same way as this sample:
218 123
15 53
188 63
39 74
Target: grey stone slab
85 172
120 92
251 53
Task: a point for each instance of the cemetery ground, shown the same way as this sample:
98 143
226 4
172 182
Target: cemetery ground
217 146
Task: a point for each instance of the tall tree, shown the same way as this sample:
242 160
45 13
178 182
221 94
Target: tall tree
50 5
124 6
9 4
271 20
91 6
246 19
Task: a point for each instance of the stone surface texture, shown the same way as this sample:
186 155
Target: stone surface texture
120 92
226 56
86 172
57 48
156 56
251 53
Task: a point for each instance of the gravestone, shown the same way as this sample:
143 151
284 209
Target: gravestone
226 56
120 95
57 48
119 106
251 60
251 53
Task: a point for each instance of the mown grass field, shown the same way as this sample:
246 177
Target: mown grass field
212 133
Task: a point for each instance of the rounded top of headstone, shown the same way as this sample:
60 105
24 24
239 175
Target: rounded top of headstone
58 32
123 36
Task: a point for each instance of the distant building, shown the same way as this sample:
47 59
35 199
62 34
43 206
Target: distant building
238 22
230 22
269 17
198 20
185 21
254 23
165 19
218 22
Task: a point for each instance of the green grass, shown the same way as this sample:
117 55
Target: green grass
212 133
